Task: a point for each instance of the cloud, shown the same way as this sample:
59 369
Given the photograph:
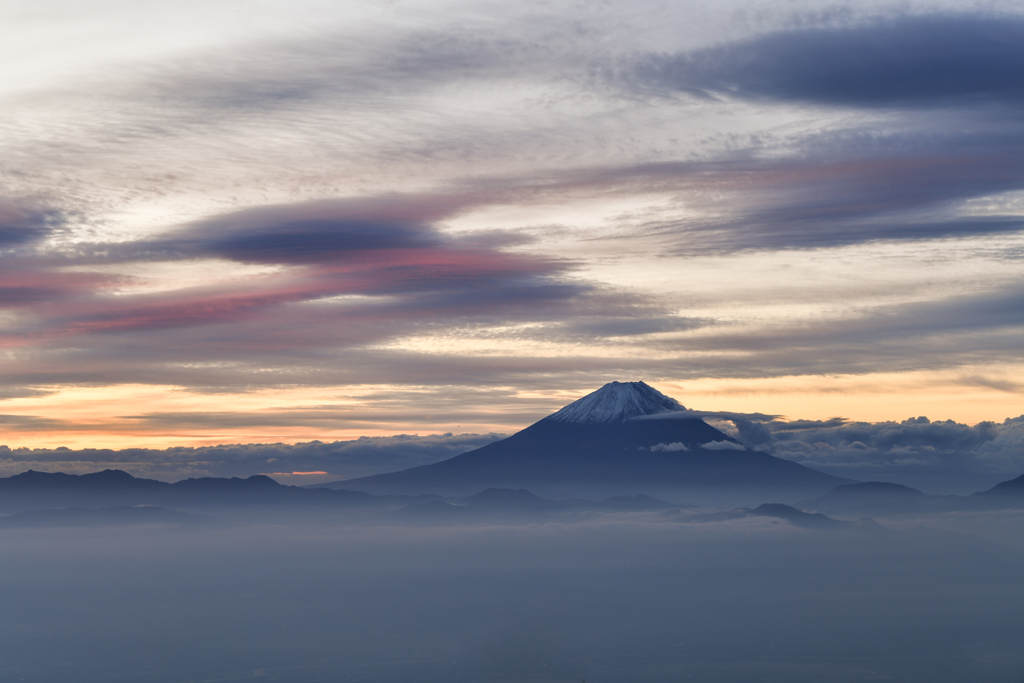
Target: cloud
669 447
22 224
343 459
335 280
307 291
998 384
848 181
405 62
937 456
909 60
753 434
945 332
940 456
18 423
382 253
610 325
316 232
723 446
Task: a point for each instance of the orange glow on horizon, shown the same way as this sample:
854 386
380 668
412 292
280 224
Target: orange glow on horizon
158 417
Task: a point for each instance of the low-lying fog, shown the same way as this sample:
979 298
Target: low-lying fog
609 597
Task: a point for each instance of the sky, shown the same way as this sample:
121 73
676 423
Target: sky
228 222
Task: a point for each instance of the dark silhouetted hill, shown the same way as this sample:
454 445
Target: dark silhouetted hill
1007 494
786 513
877 498
114 488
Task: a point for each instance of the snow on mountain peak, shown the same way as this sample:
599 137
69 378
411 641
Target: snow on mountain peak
616 402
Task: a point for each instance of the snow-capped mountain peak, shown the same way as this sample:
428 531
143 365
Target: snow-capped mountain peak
616 402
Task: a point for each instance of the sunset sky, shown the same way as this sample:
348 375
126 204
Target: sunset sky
231 221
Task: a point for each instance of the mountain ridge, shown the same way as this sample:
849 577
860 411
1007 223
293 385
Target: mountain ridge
600 445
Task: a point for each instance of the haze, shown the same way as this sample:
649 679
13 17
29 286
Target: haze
627 597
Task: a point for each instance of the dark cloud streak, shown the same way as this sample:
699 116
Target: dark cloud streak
22 224
908 61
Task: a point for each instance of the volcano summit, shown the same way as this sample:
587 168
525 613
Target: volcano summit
625 438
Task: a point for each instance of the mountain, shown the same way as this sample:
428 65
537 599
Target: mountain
623 439
1005 494
115 489
876 498
881 498
805 520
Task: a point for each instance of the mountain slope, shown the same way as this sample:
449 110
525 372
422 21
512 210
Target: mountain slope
625 438
1007 494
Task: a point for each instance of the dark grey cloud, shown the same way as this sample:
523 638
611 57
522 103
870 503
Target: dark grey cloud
895 179
908 192
938 456
302 233
610 325
915 60
386 246
904 179
16 423
344 459
22 224
972 314
355 273
334 346
307 241
941 456
311 233
20 295
339 345
243 360
8 392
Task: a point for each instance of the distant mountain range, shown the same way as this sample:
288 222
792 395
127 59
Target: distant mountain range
882 498
623 447
114 488
799 518
623 439
115 498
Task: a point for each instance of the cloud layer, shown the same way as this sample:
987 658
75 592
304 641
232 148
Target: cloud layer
337 460
522 199
939 457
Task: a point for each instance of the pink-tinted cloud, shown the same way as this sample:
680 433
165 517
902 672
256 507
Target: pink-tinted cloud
402 269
